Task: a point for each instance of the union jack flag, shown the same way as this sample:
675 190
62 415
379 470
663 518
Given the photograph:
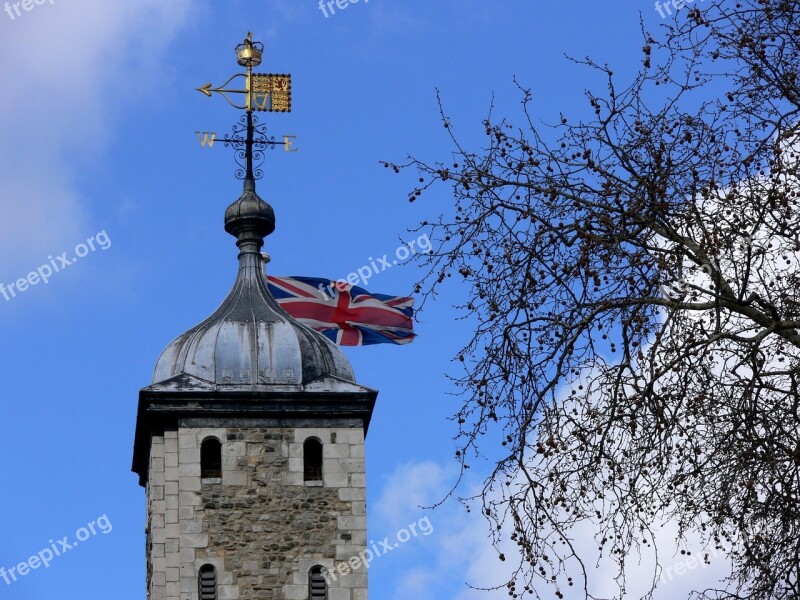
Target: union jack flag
346 314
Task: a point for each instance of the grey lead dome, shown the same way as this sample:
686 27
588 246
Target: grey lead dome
250 340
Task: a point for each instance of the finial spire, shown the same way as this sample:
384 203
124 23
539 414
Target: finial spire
250 219
262 92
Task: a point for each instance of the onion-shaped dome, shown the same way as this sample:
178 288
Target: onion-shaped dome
250 340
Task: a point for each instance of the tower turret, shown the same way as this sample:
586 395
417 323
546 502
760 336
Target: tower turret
250 444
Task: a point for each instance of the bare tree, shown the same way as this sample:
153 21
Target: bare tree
634 279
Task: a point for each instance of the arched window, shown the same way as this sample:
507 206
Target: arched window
211 459
317 587
312 460
207 582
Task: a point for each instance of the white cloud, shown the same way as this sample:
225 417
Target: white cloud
459 551
69 69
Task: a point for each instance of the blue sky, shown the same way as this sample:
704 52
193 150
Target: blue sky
98 115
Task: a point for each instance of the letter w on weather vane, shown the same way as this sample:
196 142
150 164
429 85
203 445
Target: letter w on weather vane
262 92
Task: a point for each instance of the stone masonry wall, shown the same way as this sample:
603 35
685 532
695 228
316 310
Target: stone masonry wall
260 525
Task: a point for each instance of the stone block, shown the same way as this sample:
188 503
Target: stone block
157 478
303 433
159 592
187 556
332 465
189 484
336 451
335 479
359 537
224 577
352 465
348 551
159 535
292 478
187 438
230 463
157 492
359 594
173 589
350 494
350 436
194 540
348 522
189 469
296 450
354 580
188 584
190 499
160 566
234 449
297 592
173 545
228 592
234 478
189 455
191 526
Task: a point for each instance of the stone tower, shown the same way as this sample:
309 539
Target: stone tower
250 446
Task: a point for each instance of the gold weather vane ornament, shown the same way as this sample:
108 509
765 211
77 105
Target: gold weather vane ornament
262 92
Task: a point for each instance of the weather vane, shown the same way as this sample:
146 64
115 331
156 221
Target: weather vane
261 92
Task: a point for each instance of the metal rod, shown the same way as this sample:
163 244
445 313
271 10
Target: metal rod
249 147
